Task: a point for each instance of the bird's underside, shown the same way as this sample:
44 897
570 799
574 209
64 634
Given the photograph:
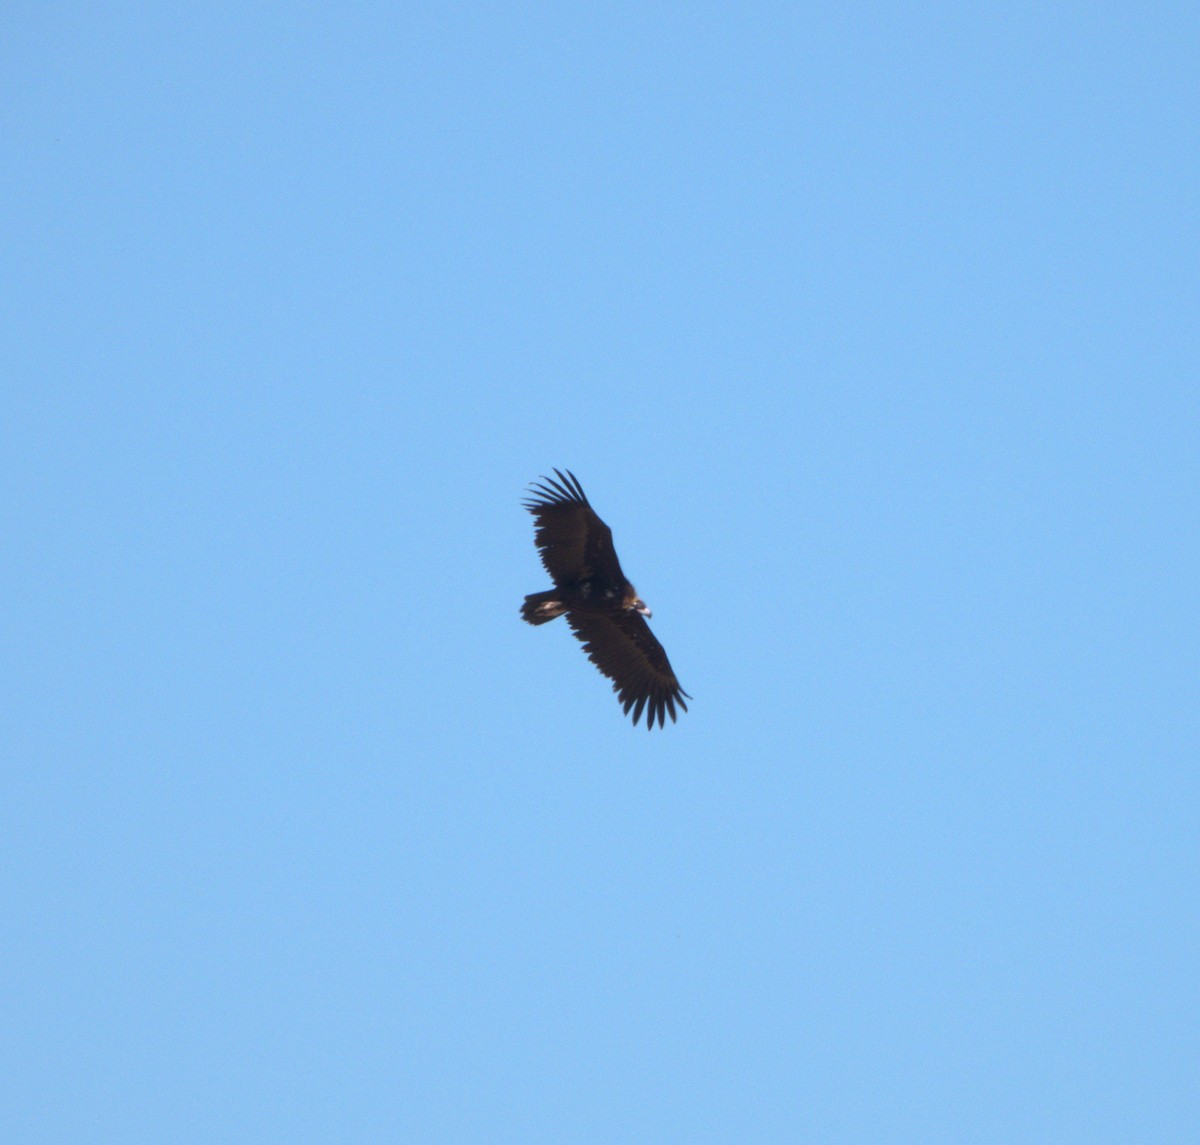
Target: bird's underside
601 606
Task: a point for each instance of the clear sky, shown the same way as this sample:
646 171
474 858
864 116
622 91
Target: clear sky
873 331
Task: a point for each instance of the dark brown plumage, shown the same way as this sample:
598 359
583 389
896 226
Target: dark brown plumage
601 606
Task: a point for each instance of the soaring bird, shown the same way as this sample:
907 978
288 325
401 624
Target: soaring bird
601 606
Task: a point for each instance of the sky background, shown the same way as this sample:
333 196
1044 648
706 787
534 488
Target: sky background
871 329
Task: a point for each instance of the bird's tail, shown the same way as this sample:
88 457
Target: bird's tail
542 606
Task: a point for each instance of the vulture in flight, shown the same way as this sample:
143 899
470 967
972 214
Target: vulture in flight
601 606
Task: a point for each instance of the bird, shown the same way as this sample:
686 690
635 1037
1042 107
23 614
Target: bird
602 608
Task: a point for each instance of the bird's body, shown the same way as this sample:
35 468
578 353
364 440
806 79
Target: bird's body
601 606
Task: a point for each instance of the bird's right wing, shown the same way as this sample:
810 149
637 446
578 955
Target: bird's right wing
573 542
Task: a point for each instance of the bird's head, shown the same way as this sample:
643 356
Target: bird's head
636 604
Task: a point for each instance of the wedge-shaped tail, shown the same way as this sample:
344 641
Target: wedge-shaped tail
542 606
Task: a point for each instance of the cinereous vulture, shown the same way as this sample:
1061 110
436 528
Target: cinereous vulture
601 606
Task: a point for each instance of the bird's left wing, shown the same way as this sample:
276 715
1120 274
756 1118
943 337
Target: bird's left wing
622 646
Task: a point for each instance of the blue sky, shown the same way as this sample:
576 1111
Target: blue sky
872 332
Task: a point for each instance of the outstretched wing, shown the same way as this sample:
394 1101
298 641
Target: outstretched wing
622 646
574 543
